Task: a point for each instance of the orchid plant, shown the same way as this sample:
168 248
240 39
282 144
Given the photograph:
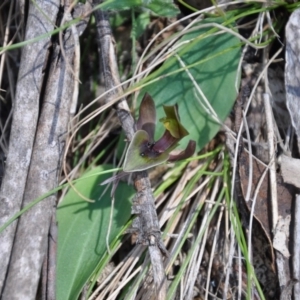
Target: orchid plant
143 152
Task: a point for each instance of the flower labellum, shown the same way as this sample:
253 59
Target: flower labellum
140 154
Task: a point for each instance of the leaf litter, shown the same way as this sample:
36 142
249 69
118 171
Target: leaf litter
206 253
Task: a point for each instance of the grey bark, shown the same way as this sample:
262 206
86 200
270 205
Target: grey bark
290 167
32 239
292 70
296 248
32 234
23 129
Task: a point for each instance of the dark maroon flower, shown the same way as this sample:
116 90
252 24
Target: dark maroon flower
143 153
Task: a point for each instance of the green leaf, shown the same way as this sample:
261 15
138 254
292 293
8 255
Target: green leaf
212 60
117 4
117 19
163 8
142 21
160 7
83 228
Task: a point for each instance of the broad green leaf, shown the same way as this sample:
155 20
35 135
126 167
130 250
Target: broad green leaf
117 4
83 228
139 25
117 19
160 7
212 60
163 7
142 21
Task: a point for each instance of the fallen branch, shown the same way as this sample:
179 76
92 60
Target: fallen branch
49 82
24 123
146 224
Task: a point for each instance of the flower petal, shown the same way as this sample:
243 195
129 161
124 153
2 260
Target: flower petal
188 152
172 122
147 116
166 143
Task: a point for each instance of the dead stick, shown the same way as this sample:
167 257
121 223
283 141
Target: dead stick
296 248
146 224
52 250
272 174
26 107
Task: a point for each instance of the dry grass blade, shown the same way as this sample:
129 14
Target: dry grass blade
296 261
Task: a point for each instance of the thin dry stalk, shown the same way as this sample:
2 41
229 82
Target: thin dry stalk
214 245
5 41
249 186
204 227
272 155
176 196
52 250
196 260
124 273
231 253
186 223
296 248
122 284
5 60
96 140
109 280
